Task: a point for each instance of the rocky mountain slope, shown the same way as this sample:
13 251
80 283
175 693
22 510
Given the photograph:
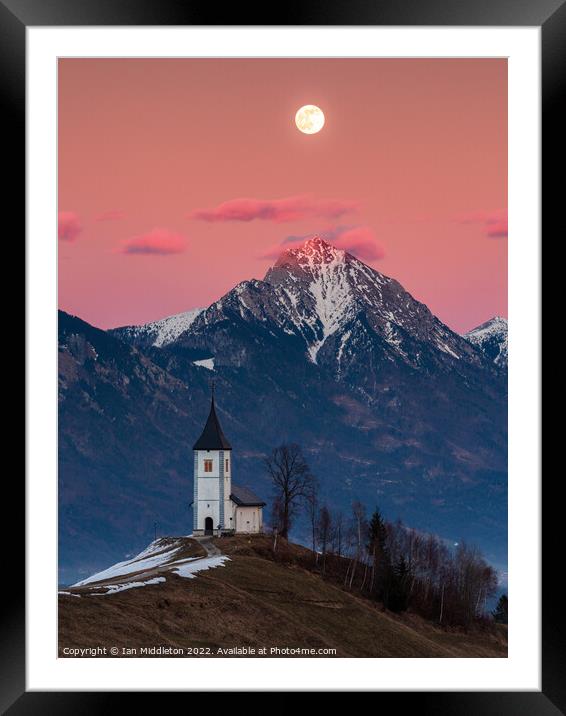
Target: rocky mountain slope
491 338
158 333
390 406
173 597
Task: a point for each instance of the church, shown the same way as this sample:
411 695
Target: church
219 506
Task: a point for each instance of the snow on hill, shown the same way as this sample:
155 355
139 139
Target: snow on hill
491 337
164 555
260 598
159 333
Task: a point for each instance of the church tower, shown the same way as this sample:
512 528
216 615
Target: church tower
212 508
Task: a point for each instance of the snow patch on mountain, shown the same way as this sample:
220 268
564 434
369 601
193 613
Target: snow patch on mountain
169 329
492 338
162 332
207 363
313 279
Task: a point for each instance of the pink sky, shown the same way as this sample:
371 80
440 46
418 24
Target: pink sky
180 178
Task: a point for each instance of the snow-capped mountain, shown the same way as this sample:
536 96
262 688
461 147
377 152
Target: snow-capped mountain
324 291
159 333
491 337
326 302
334 309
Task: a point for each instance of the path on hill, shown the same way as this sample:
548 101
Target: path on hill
208 544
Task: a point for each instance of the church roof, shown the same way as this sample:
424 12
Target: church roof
212 437
244 497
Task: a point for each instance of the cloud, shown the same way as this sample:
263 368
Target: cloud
292 208
357 240
69 226
498 229
494 222
360 241
112 215
159 242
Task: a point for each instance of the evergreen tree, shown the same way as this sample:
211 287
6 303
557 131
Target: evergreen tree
381 563
377 530
399 587
500 611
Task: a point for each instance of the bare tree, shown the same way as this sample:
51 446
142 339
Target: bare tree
311 500
291 479
338 534
358 519
324 529
276 520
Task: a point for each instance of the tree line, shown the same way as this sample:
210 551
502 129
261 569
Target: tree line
400 567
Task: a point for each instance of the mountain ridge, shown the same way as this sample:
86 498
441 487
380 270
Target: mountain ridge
335 282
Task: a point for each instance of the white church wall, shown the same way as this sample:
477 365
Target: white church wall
208 489
209 455
249 519
228 505
208 509
229 516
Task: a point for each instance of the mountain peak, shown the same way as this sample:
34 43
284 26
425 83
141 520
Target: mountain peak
312 252
494 324
491 338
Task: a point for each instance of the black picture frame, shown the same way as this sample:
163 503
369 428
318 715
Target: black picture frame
550 15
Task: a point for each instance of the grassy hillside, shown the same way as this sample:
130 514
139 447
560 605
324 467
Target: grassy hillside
254 599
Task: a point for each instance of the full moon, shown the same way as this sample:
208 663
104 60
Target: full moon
309 119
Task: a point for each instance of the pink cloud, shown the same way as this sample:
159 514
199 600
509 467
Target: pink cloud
160 242
69 226
292 208
498 229
357 240
494 222
360 241
112 215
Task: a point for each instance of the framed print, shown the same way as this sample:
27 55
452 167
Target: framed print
295 419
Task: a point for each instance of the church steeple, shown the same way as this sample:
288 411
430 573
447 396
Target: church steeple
218 506
212 437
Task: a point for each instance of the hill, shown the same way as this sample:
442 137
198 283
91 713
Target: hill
237 593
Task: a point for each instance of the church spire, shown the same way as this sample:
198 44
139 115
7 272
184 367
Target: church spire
212 437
